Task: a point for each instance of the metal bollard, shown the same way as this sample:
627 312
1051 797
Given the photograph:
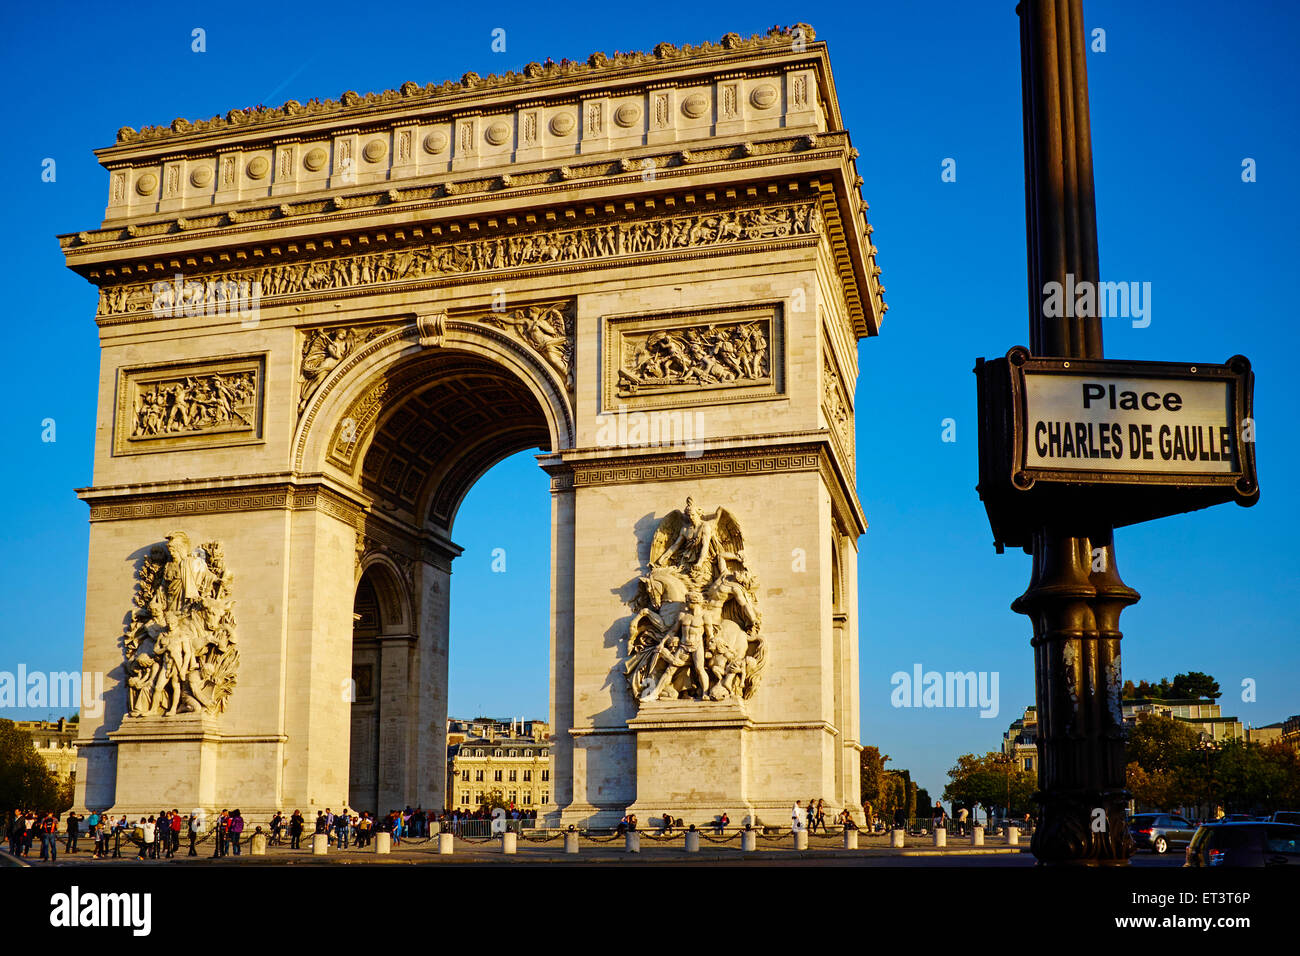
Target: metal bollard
257 845
801 839
896 837
383 842
941 837
632 842
748 841
850 839
571 841
1013 836
320 844
509 843
446 843
977 836
692 841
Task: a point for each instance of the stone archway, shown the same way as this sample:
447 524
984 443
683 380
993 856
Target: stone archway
320 325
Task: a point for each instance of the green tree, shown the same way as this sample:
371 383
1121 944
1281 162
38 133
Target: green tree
25 782
1195 684
1160 743
991 780
923 802
872 767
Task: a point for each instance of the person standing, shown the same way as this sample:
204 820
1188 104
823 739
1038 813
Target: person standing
49 831
962 816
222 835
277 823
32 825
236 830
17 829
341 830
295 829
192 825
821 814
73 832
149 828
796 817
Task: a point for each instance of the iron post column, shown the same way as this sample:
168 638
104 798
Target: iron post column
1075 593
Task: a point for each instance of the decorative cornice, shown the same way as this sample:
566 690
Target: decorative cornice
535 78
128 504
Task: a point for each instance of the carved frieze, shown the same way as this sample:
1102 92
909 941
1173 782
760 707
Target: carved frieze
197 404
523 249
721 354
180 647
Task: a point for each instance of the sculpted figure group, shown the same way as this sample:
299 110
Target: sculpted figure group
735 354
194 404
695 633
180 647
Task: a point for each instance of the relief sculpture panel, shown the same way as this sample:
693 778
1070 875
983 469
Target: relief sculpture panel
729 353
198 404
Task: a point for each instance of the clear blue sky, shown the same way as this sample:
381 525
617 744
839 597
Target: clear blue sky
1182 94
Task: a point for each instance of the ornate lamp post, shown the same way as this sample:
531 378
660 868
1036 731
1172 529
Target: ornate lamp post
1075 593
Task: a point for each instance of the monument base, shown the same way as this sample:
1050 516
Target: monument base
691 762
166 763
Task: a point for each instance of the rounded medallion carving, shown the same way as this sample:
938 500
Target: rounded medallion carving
146 184
763 96
435 142
201 176
374 150
562 124
258 167
627 115
315 159
695 105
497 133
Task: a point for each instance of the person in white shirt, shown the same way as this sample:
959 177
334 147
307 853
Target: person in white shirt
149 828
796 817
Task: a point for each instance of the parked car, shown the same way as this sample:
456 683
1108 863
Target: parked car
1285 816
1245 844
1161 831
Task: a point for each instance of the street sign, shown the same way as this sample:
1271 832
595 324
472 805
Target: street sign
1132 440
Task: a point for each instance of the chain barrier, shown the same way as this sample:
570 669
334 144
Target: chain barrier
725 839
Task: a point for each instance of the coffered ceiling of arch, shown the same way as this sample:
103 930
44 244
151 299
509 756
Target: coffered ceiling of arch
428 452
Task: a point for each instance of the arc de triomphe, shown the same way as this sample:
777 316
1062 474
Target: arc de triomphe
321 323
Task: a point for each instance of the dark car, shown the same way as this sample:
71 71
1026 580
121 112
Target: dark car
1161 831
1245 844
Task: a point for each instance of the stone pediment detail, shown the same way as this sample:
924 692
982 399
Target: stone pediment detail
537 75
